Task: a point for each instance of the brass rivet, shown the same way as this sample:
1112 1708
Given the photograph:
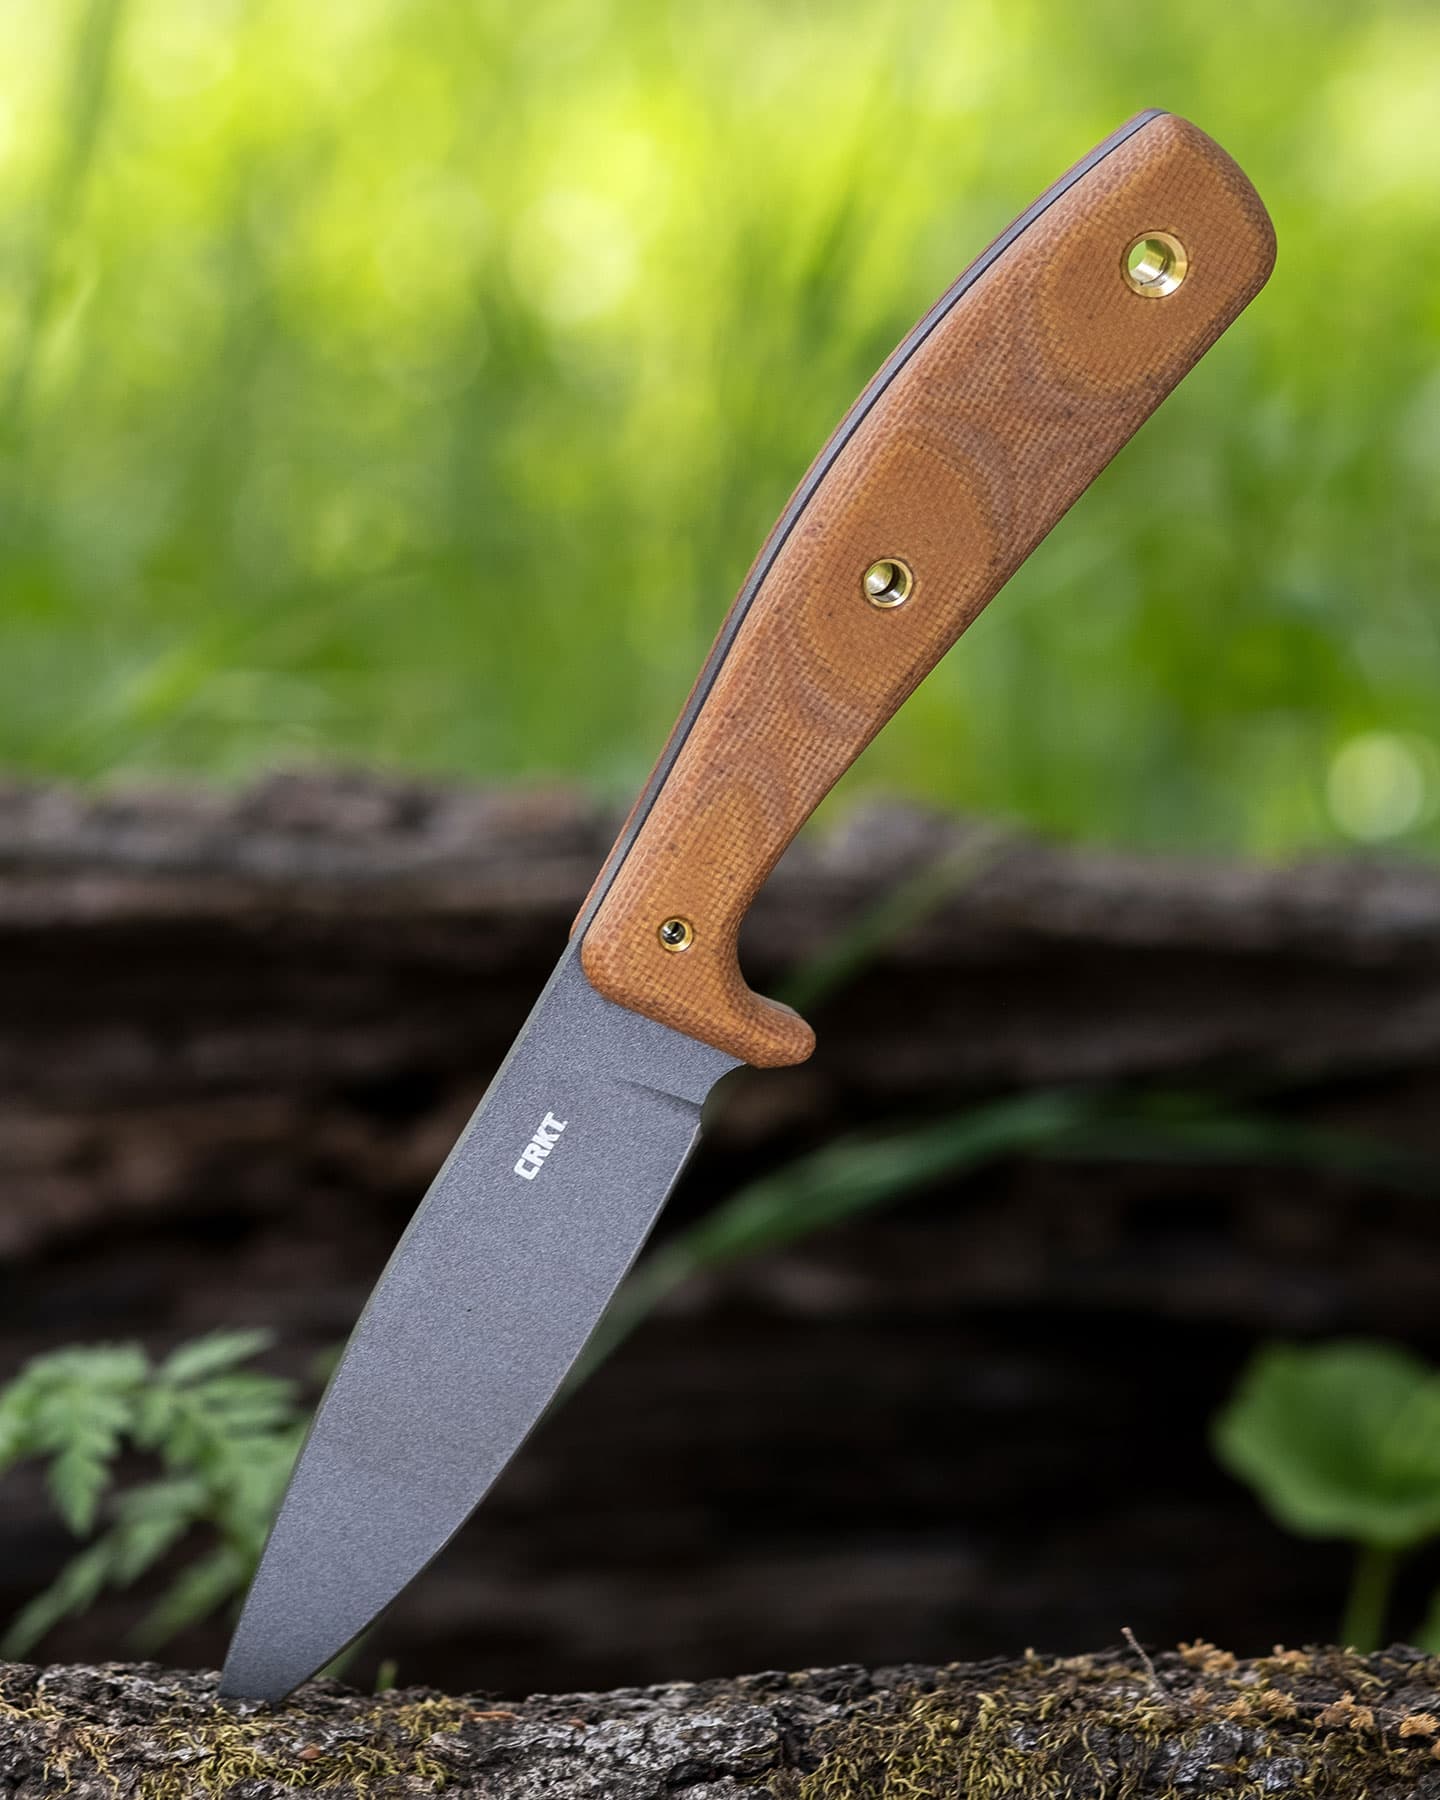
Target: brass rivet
888 582
1155 264
676 934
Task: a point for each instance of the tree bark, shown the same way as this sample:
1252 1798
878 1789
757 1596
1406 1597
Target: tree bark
227 987
1115 1726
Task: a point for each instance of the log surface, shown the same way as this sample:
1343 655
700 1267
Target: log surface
343 960
321 972
1195 1723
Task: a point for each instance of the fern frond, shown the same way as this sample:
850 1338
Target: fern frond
238 1404
155 1409
209 1355
17 1418
84 1427
74 1590
194 1595
80 1405
150 1520
227 1437
246 1501
69 1394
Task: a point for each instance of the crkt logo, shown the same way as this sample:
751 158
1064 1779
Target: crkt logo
532 1157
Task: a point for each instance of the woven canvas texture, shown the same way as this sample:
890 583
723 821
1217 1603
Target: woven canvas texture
993 428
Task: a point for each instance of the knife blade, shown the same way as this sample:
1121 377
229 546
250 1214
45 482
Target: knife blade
980 430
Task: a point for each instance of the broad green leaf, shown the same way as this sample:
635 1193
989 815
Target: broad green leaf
1339 1440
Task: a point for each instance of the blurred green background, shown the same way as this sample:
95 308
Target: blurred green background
412 381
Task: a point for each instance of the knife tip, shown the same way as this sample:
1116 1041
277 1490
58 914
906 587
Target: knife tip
259 1668
248 1681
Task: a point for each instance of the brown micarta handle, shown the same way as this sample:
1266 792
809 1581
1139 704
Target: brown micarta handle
987 424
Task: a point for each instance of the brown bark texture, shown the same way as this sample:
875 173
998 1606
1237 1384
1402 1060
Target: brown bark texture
306 984
249 961
1120 1725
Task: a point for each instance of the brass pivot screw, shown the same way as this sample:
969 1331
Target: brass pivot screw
1155 264
888 582
676 934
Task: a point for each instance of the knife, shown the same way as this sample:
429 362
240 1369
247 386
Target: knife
987 422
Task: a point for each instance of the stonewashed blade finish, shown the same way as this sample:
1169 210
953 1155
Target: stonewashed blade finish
486 1302
978 433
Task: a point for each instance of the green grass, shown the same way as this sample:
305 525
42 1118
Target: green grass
413 382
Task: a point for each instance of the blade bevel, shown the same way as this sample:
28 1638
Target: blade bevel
488 1298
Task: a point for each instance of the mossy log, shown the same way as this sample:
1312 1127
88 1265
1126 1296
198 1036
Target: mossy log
1195 1724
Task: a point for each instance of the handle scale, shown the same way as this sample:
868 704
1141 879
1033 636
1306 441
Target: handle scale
987 424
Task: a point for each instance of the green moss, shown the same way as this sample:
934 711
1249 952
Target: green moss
1302 1724
388 1746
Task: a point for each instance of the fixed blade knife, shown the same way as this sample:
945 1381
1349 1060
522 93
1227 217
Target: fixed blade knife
985 424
